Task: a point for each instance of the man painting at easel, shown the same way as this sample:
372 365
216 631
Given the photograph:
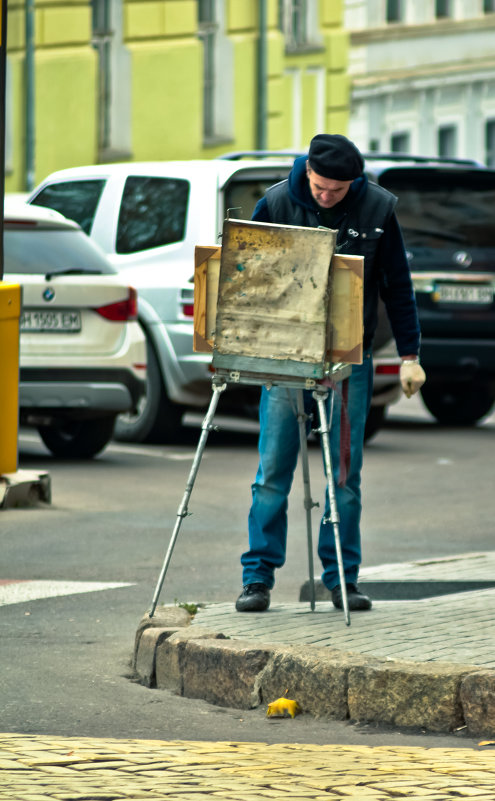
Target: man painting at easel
328 188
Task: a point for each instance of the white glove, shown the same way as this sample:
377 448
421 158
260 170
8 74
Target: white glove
412 377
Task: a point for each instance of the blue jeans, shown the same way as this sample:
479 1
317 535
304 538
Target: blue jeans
278 449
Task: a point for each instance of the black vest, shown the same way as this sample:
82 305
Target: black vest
359 233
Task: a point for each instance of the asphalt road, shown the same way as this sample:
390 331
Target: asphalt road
427 492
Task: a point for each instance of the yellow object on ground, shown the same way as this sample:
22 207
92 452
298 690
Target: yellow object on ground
283 706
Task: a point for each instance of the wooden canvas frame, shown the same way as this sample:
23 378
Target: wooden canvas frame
345 314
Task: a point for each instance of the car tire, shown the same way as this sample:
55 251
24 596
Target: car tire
157 419
374 421
78 439
457 404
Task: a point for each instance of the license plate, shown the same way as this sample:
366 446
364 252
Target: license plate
463 293
36 320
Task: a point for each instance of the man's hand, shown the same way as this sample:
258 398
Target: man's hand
412 376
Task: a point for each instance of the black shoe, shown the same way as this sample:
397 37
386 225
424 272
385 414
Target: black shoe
253 598
356 600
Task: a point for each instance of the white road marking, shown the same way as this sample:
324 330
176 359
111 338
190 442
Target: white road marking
133 450
144 451
18 592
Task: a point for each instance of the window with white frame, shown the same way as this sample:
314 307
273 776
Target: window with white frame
299 23
488 6
490 143
217 72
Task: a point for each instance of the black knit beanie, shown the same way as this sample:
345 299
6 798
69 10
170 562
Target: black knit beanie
335 156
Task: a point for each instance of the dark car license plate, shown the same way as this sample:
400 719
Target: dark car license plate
463 293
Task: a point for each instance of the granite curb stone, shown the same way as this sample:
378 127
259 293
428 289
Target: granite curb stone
145 653
200 663
171 658
224 672
408 694
317 678
167 617
478 702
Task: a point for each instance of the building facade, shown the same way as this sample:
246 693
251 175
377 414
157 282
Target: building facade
139 80
423 76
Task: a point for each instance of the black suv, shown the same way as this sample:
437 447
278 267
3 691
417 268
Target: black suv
446 209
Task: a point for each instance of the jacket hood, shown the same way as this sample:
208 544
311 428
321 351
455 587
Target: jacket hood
299 191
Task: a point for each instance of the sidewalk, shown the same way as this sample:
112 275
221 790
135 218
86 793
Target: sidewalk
428 662
40 768
458 627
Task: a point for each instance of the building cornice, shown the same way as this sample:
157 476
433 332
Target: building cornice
432 75
397 32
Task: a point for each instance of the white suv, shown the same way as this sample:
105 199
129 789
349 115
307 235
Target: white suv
148 218
82 353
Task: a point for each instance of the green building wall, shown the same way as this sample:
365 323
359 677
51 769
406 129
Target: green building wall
165 96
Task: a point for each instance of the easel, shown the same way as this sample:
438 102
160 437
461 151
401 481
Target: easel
320 393
248 296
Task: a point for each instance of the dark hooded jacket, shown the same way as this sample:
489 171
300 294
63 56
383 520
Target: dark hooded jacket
367 226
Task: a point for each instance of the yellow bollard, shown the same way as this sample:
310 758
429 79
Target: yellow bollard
10 312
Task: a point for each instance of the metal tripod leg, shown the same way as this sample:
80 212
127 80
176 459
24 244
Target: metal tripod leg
320 397
182 510
308 501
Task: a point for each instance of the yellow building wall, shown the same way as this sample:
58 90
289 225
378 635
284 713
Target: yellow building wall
166 116
65 88
166 81
244 94
65 121
16 166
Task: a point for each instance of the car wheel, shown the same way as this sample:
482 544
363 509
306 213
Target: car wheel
457 404
157 419
374 421
78 439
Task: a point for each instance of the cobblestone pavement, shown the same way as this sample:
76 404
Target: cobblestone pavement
455 628
37 768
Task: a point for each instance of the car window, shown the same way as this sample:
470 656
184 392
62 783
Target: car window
40 251
243 192
153 213
242 197
441 209
76 200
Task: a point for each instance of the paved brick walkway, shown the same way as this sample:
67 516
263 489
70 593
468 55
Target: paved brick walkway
454 628
37 768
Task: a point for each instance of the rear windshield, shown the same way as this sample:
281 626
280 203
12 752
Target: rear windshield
76 200
38 251
443 208
243 191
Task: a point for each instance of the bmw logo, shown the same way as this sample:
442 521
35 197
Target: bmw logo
48 294
463 259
